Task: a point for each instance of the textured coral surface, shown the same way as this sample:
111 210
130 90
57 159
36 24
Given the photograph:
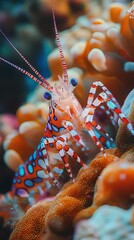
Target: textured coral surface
108 222
58 218
115 186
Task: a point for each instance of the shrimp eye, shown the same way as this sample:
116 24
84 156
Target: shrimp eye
47 95
74 82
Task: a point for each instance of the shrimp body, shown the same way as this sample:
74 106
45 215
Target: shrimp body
34 172
66 120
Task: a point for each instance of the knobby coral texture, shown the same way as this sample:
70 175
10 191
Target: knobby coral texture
81 167
102 45
61 211
117 179
119 221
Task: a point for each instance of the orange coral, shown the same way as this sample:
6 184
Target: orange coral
32 225
32 119
62 210
115 11
105 50
104 54
114 187
66 12
80 194
113 49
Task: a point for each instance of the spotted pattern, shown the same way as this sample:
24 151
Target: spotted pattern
30 168
37 167
21 171
29 183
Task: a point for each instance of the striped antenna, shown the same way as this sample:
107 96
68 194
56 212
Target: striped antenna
64 67
43 84
46 84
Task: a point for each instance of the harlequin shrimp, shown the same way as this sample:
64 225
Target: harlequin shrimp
66 118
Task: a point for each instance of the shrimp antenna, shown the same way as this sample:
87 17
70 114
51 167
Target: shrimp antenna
43 84
64 67
43 80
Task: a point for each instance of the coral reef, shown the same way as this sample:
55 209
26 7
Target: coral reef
104 49
65 11
72 198
31 121
98 47
115 186
108 222
33 222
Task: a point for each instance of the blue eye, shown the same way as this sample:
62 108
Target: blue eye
47 95
74 82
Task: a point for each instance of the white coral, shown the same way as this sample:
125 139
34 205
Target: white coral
107 223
